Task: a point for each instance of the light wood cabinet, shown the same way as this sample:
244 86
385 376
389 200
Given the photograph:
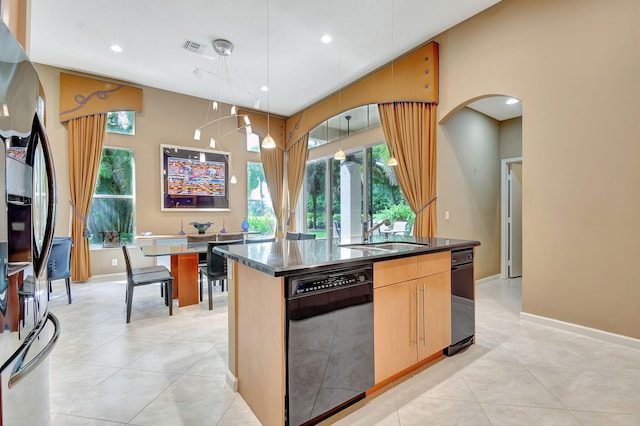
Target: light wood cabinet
395 318
412 311
434 333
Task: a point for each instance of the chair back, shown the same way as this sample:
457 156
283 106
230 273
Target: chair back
59 264
291 235
302 236
217 264
200 238
230 237
260 240
127 261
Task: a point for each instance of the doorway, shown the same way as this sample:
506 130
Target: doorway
511 229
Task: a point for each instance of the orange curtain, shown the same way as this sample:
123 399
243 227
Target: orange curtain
85 138
273 165
296 163
410 131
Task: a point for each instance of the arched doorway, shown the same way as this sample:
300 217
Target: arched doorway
482 156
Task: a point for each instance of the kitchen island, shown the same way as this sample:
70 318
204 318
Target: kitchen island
409 306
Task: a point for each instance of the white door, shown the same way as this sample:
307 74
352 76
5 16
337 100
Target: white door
514 220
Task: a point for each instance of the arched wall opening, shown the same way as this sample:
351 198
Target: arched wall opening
477 141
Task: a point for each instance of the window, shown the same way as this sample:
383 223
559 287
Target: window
344 124
112 213
340 195
123 122
261 217
253 142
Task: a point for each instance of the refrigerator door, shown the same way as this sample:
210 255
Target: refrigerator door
27 216
43 202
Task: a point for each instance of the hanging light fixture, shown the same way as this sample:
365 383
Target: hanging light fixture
268 142
392 162
340 155
223 48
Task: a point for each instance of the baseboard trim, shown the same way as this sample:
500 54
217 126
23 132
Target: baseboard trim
488 279
582 330
232 381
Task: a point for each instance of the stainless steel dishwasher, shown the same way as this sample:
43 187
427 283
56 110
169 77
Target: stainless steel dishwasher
329 342
463 321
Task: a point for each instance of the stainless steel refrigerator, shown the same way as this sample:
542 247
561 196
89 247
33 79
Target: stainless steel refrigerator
27 216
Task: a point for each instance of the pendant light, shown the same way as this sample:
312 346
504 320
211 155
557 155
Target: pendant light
392 162
340 155
268 142
223 49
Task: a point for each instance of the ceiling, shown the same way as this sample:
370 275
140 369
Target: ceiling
277 43
497 107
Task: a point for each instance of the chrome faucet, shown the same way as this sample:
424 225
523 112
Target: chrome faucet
366 233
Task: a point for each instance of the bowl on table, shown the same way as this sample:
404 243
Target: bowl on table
201 226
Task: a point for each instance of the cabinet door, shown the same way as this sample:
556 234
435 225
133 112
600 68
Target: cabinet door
395 322
434 332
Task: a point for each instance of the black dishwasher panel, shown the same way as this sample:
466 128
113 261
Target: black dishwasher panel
329 338
462 301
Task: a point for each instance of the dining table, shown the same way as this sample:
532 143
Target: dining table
185 258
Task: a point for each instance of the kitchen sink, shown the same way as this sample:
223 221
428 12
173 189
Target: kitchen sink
365 247
397 246
383 246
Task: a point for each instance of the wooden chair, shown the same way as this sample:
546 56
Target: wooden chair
150 275
216 269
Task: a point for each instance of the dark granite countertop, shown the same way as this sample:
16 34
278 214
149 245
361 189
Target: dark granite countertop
287 257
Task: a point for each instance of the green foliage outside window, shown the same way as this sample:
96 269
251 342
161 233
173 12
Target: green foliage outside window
261 217
112 209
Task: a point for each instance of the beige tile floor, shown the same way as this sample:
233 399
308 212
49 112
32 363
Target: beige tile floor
161 370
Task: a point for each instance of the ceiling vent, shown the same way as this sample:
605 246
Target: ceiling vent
193 46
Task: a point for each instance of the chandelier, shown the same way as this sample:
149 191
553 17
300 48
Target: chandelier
223 48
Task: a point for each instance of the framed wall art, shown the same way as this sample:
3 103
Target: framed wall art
194 179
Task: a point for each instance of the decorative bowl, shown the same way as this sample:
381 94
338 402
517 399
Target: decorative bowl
201 227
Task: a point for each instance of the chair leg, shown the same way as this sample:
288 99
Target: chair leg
49 290
68 282
129 301
210 289
169 291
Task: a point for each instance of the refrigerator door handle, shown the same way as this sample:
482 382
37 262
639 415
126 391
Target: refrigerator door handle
21 371
40 261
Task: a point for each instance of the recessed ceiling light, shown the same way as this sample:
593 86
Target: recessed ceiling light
116 48
512 101
264 88
326 39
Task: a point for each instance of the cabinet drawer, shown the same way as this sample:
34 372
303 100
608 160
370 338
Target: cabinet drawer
429 264
394 271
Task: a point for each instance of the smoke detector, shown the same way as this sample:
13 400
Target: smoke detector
222 47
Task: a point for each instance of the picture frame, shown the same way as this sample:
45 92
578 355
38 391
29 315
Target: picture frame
194 179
